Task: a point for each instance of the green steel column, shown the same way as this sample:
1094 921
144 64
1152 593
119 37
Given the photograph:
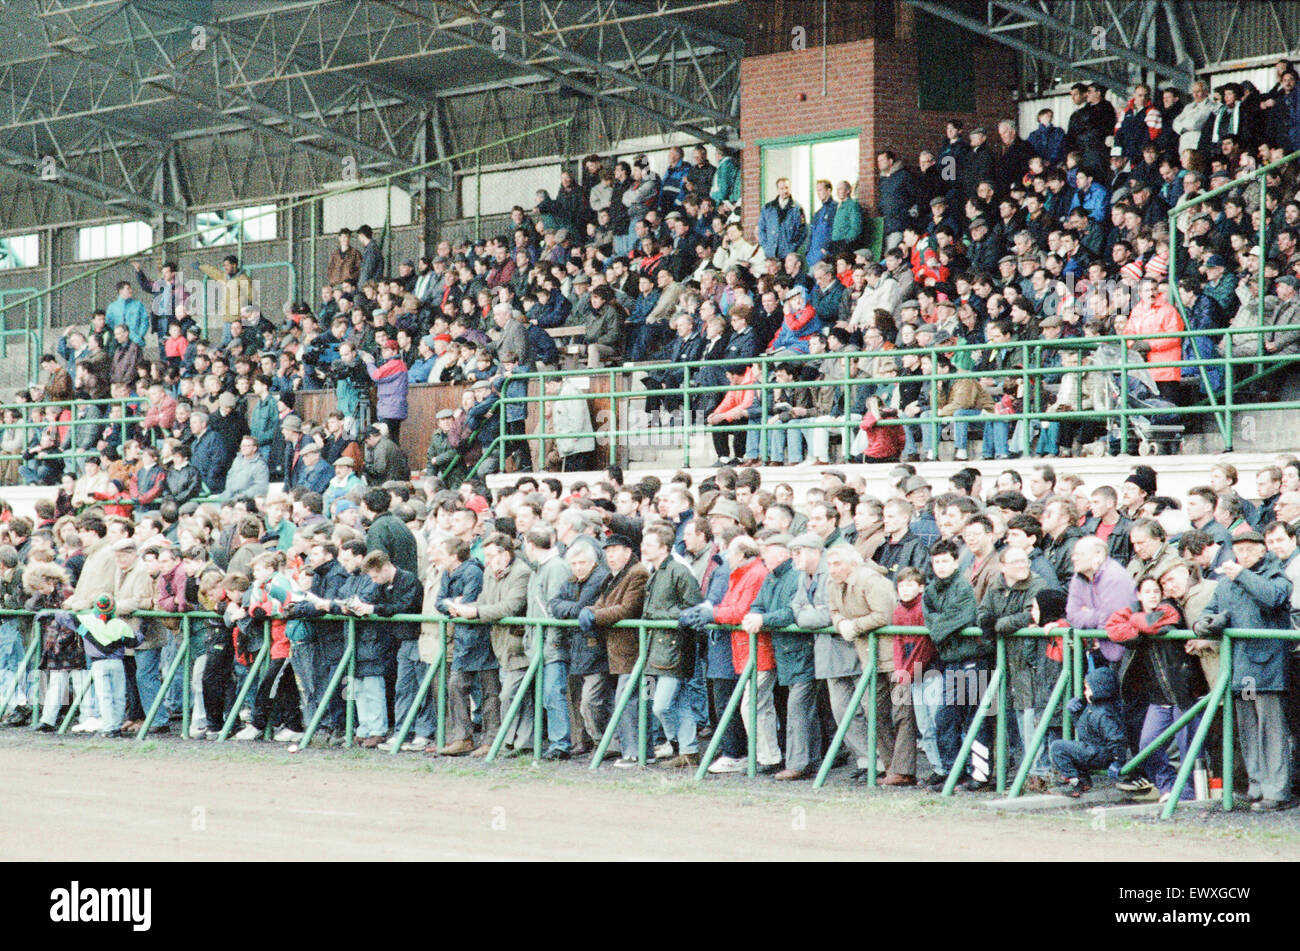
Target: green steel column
873 726
442 686
1026 426
539 705
847 410
1001 735
189 674
642 721
753 706
1229 718
351 725
1067 670
75 706
762 413
613 420
686 417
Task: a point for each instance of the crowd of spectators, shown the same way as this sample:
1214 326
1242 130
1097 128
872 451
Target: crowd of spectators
719 561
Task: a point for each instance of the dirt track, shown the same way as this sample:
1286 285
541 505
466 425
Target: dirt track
95 801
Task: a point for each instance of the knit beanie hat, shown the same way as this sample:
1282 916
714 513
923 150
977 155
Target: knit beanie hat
1051 605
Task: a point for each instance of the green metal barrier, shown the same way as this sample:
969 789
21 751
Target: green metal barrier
635 685
867 679
517 704
1035 744
252 677
1218 698
24 667
748 679
345 664
1030 372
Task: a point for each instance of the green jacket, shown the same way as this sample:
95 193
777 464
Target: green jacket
775 600
949 606
506 596
264 421
671 590
441 454
1005 609
848 221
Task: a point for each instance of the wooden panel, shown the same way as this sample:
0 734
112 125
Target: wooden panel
425 400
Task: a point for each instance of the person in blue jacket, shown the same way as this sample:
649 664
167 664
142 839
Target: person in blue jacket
782 226
823 223
209 454
1099 729
313 472
1254 593
129 311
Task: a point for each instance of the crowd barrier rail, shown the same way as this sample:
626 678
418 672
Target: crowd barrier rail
1032 373
993 697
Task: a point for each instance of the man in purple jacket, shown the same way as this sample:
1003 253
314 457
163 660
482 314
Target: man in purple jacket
1099 588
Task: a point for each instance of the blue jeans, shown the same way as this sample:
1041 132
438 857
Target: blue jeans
673 708
995 434
410 672
964 683
372 708
1074 757
1157 766
175 696
1047 438
627 724
555 697
11 659
148 680
784 442
927 699
697 688
110 684
928 432
250 699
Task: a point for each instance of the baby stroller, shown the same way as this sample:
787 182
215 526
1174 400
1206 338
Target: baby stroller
1157 432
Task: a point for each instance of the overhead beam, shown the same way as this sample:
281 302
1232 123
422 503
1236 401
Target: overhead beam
980 28
585 62
649 112
88 189
1131 56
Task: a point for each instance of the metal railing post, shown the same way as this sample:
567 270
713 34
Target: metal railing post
724 721
1001 735
336 679
420 694
642 714
75 706
442 688
846 721
611 728
1213 700
1068 647
516 705
168 677
186 684
873 725
350 710
539 699
1229 722
254 674
1161 741
752 769
959 765
1040 732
